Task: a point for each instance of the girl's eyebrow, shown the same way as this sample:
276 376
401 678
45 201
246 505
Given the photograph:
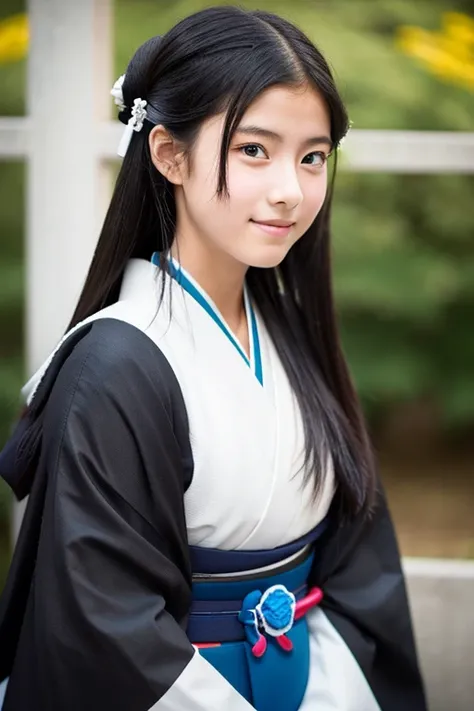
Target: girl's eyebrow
266 133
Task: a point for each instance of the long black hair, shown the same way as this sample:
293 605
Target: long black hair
220 60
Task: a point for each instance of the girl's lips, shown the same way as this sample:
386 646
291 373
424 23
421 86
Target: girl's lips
274 230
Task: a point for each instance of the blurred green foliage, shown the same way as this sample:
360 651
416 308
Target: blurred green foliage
404 248
12 218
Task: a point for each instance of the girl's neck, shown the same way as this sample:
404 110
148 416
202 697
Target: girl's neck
220 276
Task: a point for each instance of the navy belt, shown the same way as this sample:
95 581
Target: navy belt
215 560
217 602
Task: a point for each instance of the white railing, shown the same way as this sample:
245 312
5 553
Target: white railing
442 600
365 150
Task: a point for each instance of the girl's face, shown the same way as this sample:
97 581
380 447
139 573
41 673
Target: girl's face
277 180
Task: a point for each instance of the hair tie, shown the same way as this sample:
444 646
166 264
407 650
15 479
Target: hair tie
135 123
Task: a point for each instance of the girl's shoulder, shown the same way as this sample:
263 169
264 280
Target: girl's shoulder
114 322
105 371
107 353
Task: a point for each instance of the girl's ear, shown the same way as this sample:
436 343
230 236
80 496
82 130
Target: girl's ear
166 155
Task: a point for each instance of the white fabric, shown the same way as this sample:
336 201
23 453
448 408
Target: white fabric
247 492
200 687
336 682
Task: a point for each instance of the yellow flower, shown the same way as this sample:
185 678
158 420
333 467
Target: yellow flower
14 38
449 53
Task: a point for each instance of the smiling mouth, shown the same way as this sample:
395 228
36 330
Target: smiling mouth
274 223
276 228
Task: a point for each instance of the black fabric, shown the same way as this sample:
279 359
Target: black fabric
365 599
19 468
19 457
95 607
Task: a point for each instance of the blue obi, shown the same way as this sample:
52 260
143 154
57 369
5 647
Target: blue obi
251 626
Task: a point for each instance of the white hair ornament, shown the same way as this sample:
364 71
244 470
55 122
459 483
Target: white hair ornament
135 123
117 93
343 139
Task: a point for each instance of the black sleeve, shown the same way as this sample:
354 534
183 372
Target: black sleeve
104 626
366 601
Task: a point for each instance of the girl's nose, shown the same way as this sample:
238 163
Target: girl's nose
286 189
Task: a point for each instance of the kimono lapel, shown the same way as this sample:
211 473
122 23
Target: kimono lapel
191 286
248 488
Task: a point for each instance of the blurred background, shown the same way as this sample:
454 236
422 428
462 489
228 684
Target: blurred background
403 239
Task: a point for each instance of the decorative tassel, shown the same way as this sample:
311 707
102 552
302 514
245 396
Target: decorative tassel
273 613
260 647
125 140
285 643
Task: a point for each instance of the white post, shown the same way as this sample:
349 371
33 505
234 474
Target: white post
69 80
68 97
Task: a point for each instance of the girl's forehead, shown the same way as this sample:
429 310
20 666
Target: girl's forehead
283 104
279 113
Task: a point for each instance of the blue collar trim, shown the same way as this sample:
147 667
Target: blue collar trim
178 274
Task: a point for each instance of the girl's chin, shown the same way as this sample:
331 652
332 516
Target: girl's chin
267 257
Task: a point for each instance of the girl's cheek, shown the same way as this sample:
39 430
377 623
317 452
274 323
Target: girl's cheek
243 183
316 193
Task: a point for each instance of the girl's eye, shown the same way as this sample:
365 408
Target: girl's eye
252 151
317 158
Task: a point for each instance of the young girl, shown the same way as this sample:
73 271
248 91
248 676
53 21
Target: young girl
205 529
